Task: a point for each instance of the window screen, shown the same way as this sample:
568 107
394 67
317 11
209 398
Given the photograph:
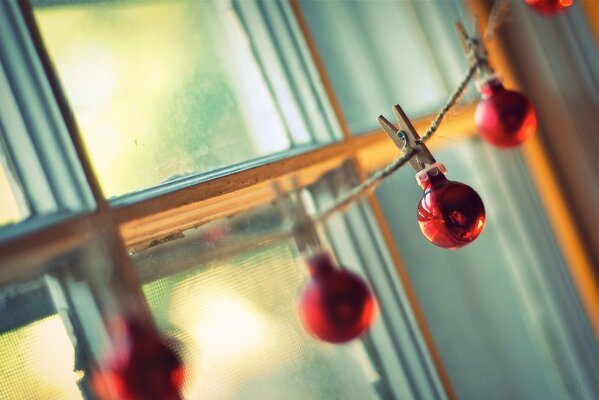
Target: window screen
236 324
37 362
37 357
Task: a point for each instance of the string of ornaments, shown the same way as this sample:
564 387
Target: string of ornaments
337 305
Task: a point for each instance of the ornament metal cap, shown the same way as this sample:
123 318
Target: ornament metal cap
482 82
433 169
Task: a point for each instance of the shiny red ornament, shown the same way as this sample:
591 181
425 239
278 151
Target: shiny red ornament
336 306
450 214
549 7
140 366
504 118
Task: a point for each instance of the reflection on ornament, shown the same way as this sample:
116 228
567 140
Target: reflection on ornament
504 118
336 306
450 214
140 366
549 7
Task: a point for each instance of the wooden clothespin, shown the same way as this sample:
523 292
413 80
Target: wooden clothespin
474 49
304 232
406 138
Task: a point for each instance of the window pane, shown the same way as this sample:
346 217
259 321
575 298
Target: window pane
164 89
503 311
237 325
379 53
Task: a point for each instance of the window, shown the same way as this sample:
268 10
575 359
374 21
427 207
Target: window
140 143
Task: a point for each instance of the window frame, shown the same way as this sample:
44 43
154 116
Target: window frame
46 162
137 225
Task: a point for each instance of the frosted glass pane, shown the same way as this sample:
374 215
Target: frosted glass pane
379 53
236 324
161 89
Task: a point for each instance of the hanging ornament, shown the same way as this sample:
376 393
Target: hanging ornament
139 366
549 7
450 214
336 306
504 118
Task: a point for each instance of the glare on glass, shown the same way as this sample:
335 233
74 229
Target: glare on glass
161 89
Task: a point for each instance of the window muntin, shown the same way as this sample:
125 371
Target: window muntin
163 90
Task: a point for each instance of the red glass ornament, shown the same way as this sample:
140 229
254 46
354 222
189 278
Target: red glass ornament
549 7
504 118
140 366
336 306
450 214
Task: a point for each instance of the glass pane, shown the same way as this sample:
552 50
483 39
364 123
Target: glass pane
162 89
503 310
237 325
378 53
